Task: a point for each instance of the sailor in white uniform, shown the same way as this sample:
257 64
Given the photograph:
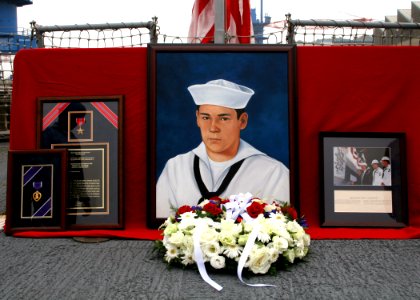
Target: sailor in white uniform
376 173
223 164
386 177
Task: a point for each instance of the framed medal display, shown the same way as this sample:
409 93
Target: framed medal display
36 193
363 179
90 129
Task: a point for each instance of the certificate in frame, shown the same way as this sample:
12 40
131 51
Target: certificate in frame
90 128
363 179
36 193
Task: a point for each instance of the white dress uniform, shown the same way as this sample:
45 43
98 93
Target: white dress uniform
377 176
259 174
386 178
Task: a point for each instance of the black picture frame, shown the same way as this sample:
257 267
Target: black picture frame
90 128
172 68
355 190
36 190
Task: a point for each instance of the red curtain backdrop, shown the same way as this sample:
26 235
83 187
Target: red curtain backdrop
339 89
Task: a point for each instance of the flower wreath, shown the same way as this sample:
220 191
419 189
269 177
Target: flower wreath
241 231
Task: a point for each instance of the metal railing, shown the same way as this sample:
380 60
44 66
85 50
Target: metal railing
138 34
331 32
133 34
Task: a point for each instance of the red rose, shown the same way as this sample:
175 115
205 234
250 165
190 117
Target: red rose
255 209
183 209
288 210
212 208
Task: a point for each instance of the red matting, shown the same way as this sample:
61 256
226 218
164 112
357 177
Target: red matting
339 89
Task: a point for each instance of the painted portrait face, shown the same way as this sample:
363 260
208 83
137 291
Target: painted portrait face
220 130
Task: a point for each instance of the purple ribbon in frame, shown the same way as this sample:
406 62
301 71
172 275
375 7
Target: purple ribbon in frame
30 174
44 210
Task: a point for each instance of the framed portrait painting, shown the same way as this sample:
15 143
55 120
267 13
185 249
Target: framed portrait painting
174 119
363 179
36 192
90 130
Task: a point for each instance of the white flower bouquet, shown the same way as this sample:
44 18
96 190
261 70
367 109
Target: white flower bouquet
242 232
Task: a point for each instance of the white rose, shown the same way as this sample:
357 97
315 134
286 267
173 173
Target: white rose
170 229
176 238
293 227
298 235
277 227
259 260
208 235
299 244
227 239
299 252
217 262
188 243
274 254
289 255
243 239
280 243
282 232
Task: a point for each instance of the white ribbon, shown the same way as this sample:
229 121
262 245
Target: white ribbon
237 206
199 257
234 208
245 253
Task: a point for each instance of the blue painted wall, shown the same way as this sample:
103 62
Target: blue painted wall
8 18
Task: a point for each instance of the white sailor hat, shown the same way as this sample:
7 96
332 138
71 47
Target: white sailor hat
385 158
222 93
375 161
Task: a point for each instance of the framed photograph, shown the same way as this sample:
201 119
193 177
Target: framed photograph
90 129
36 191
363 179
174 118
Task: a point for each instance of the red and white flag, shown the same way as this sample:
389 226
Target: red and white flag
238 22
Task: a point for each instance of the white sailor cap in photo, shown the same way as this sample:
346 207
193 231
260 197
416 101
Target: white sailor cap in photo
222 93
375 161
385 158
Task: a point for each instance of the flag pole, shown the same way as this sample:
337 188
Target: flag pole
219 21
